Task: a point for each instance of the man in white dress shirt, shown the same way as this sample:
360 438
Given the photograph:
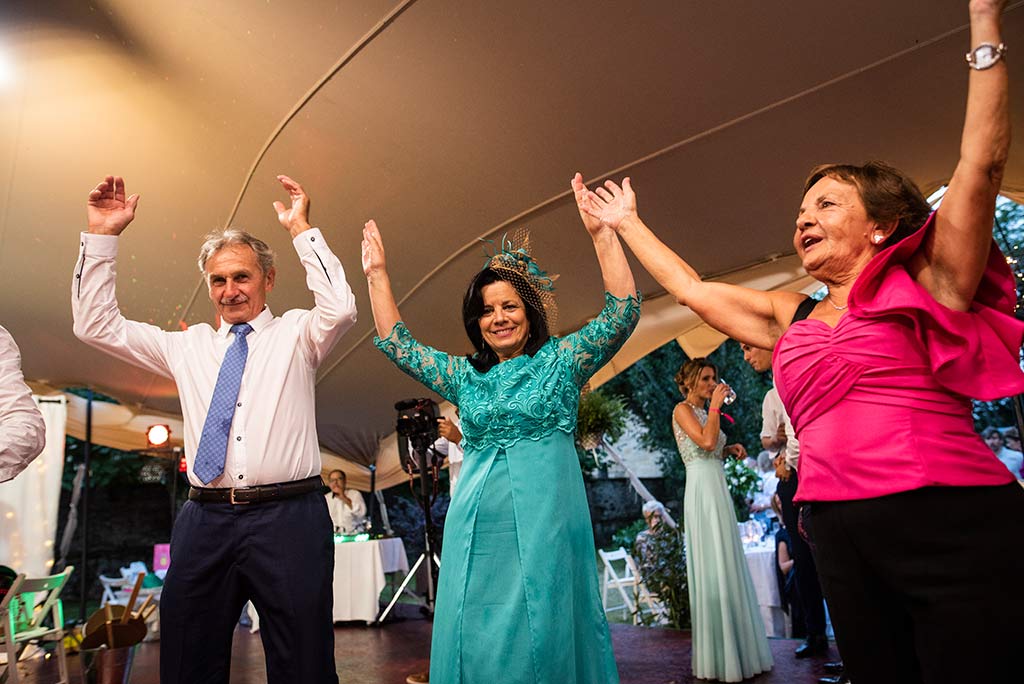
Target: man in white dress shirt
346 506
255 526
777 434
22 432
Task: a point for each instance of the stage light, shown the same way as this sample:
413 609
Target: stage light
157 435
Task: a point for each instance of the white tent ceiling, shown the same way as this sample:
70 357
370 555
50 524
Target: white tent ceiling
446 121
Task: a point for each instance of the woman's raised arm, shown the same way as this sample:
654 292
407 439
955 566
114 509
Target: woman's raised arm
382 299
953 257
615 270
750 316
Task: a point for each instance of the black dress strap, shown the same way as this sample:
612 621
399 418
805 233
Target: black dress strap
804 310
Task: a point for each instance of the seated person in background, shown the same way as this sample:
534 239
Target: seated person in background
348 510
784 573
1013 460
654 515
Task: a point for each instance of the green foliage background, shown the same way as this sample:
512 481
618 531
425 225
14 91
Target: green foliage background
649 391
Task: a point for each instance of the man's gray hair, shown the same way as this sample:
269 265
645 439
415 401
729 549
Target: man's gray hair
653 507
219 239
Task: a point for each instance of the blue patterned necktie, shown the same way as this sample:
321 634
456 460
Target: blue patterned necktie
213 445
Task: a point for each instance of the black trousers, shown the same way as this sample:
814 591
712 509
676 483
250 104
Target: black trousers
805 573
925 586
280 555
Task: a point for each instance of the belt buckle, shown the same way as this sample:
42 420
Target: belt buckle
233 500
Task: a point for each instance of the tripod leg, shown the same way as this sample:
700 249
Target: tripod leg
403 587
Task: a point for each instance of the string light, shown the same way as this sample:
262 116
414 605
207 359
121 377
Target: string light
158 435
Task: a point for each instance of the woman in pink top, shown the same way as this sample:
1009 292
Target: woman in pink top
916 521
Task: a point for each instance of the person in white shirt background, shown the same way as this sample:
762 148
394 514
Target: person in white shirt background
347 508
22 429
256 525
22 432
1013 460
449 443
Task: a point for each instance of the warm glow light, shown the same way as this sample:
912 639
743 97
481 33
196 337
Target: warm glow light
157 435
6 69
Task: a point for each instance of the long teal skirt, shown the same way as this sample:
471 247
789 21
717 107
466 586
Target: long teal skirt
518 599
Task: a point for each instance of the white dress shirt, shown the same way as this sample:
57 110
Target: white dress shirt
454 453
22 431
1013 460
773 414
346 518
273 434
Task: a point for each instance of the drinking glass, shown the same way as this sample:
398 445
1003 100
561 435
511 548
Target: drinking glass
730 395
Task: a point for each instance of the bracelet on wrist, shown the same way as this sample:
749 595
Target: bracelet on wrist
715 410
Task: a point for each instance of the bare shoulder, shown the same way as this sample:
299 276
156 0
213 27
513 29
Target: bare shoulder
683 414
784 306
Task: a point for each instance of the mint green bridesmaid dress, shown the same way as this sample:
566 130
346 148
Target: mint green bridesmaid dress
518 599
729 639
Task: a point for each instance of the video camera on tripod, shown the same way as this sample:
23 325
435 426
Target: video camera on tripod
417 428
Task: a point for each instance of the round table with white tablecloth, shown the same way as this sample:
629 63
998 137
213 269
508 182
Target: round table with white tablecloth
761 562
359 568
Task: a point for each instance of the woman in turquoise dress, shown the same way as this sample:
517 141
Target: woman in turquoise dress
517 599
729 641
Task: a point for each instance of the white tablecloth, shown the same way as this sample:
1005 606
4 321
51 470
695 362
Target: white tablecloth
761 562
359 569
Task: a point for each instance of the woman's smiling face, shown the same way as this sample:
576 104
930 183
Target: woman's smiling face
503 323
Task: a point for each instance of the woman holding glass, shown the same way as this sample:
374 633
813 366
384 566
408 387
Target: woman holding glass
914 520
729 641
517 600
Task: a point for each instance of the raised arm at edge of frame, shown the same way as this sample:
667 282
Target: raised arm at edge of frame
951 261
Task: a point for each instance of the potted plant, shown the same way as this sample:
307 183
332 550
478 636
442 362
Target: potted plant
600 415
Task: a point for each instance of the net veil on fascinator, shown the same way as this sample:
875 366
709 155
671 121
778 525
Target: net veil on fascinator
513 256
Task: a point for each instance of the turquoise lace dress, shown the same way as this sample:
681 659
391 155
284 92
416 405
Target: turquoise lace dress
517 600
729 641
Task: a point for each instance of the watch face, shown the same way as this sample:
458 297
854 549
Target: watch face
985 56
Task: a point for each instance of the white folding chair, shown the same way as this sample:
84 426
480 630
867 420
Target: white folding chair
111 586
644 597
22 614
613 580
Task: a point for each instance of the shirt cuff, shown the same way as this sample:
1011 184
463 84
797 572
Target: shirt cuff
99 245
306 241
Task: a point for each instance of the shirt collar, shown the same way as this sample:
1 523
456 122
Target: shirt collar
259 323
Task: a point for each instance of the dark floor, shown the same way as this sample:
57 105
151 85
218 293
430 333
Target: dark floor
386 655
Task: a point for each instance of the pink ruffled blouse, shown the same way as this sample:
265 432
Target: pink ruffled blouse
881 403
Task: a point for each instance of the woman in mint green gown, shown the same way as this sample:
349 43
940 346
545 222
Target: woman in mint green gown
518 599
729 641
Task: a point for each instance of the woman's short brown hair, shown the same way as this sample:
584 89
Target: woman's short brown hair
687 375
888 194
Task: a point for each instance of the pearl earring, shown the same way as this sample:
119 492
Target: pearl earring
877 239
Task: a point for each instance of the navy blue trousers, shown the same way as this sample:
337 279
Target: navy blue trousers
805 572
924 586
279 555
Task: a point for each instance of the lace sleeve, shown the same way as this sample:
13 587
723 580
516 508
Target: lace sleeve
437 370
593 345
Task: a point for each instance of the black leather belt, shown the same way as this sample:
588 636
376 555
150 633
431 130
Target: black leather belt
258 494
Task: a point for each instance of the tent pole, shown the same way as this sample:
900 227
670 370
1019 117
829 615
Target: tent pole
86 453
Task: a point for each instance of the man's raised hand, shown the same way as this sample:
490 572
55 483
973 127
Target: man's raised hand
296 217
109 213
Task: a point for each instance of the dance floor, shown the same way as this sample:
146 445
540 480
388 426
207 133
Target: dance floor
385 655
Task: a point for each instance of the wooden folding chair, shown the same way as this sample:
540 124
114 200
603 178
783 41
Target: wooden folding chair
23 618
